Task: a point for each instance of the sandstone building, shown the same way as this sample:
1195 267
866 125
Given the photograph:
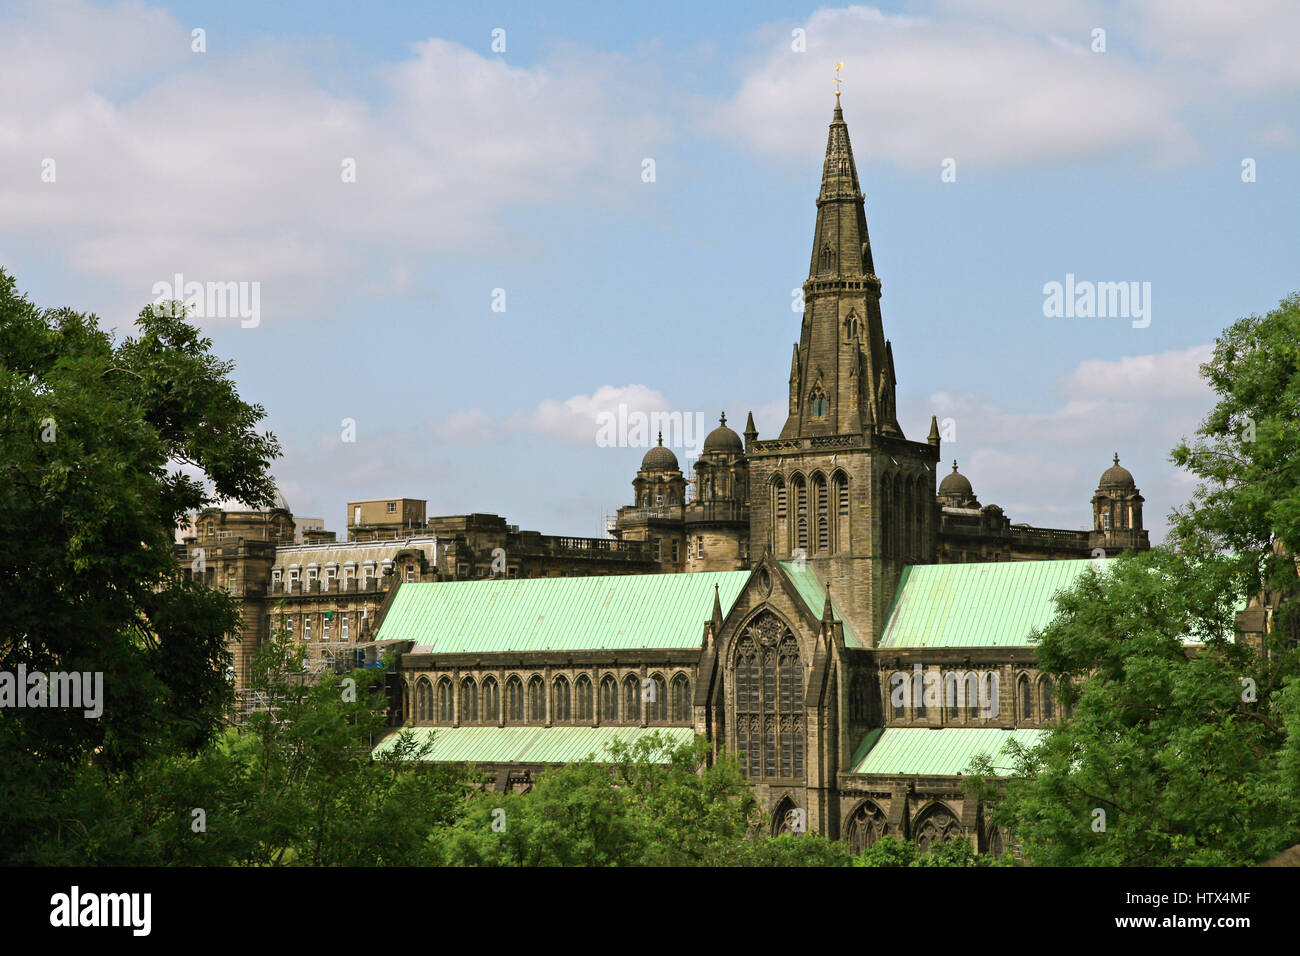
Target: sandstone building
830 604
826 605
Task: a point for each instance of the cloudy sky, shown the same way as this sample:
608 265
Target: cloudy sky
133 148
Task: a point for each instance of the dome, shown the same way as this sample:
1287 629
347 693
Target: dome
723 439
956 484
1117 477
660 458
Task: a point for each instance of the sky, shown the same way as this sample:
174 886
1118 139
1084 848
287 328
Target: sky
470 229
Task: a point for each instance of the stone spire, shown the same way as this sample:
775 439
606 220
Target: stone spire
750 433
841 378
933 438
717 611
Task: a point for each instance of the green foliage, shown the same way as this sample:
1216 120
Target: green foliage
296 786
806 849
647 804
891 851
92 434
1247 451
1162 741
1171 757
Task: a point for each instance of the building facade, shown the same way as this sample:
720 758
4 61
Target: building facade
853 626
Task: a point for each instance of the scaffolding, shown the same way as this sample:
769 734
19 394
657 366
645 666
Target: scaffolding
334 657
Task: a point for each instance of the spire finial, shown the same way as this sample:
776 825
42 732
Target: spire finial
661 439
723 418
1117 458
838 66
954 464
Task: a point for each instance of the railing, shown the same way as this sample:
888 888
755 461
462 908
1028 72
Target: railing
819 441
671 512
337 586
1051 534
592 544
391 534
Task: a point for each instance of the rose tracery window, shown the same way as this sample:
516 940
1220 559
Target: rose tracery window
769 701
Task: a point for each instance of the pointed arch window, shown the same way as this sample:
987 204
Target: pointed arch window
423 700
561 701
681 698
468 701
584 695
769 701
886 538
817 402
920 521
445 709
907 518
936 825
515 700
1026 695
840 486
631 699
867 825
820 509
656 704
536 701
827 258
801 512
491 699
608 699
851 325
1048 698
895 526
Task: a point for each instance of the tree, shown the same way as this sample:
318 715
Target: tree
92 437
1178 754
295 786
1163 760
644 804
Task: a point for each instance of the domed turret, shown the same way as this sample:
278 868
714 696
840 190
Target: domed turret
660 458
1117 513
1117 477
723 440
955 490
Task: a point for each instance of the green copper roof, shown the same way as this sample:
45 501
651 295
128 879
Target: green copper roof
977 605
814 595
610 612
945 751
529 744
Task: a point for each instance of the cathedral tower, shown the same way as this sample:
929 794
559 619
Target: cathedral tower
841 486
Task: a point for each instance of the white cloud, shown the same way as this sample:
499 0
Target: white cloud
1166 375
1246 45
573 419
1138 406
919 89
229 167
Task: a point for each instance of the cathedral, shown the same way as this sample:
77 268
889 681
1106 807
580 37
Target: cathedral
828 604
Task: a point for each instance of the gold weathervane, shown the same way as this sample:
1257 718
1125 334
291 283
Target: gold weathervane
838 66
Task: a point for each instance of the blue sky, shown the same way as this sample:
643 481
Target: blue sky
522 170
